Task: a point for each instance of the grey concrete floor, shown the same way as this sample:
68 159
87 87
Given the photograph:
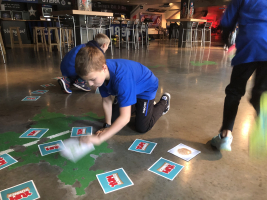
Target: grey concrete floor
197 92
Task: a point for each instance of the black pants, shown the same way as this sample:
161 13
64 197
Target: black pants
146 113
237 88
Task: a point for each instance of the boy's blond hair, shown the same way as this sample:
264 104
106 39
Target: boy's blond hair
102 39
89 59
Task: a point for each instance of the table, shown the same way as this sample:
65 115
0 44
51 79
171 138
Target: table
81 12
81 21
185 22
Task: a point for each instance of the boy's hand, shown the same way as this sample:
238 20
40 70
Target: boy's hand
91 139
101 131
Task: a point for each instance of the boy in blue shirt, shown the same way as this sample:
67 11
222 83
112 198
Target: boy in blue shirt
67 65
251 56
133 84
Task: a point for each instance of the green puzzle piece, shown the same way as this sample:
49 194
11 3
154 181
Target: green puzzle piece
56 122
199 64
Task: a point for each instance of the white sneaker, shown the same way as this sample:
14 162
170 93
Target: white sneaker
222 143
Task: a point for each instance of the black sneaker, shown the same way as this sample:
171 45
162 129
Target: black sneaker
81 84
166 97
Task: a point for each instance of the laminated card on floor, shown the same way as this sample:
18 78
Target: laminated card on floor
6 160
25 191
51 147
114 180
39 92
34 133
31 98
81 131
142 146
166 168
184 152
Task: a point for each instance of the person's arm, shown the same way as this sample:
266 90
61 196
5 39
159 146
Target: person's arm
120 122
107 107
230 18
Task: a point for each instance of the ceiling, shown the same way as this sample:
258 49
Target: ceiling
139 2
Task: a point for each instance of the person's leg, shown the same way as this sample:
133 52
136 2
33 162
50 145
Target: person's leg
234 91
147 113
260 85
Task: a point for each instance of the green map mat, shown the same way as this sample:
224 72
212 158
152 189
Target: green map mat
56 122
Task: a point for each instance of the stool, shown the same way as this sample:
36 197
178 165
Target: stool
12 41
67 33
35 38
207 28
192 34
2 47
57 43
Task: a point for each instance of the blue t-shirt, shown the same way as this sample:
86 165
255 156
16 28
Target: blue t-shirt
129 80
67 65
251 41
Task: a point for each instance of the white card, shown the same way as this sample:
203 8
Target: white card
184 152
74 150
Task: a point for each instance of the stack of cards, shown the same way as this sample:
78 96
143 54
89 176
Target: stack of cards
74 150
184 152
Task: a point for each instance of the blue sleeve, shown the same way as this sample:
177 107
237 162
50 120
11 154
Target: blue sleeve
231 14
103 91
126 92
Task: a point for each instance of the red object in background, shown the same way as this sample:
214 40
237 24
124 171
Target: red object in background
231 48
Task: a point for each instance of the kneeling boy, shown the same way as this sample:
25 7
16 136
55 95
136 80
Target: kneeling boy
131 82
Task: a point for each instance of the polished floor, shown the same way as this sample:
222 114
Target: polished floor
195 78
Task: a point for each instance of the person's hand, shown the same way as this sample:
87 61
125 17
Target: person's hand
101 131
94 139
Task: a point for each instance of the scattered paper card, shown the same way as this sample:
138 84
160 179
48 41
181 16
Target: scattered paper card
166 168
34 133
74 150
81 131
184 152
6 160
47 85
114 180
39 92
57 78
51 147
142 146
25 190
31 98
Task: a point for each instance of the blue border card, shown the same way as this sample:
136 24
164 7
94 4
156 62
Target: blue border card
31 98
51 147
34 133
114 180
142 146
23 191
39 92
184 152
166 168
81 131
6 160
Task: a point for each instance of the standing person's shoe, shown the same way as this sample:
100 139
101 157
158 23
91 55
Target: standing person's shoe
81 84
65 84
222 143
166 97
